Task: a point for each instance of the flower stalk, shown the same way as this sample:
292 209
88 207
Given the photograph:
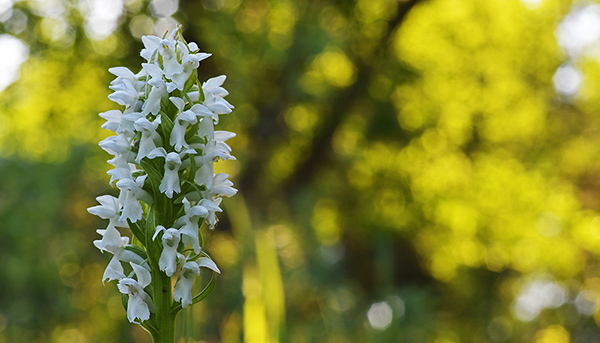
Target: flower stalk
164 148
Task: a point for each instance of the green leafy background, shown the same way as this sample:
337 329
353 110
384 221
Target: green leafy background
407 170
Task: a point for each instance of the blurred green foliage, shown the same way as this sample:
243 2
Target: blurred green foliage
408 171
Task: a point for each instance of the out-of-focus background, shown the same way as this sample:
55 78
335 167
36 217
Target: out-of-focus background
409 171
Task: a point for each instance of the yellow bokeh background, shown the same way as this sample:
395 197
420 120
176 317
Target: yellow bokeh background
408 171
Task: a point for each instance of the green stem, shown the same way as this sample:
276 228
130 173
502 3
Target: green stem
162 293
165 321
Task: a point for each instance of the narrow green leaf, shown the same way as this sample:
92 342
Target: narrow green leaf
195 140
154 174
167 127
206 291
191 81
124 301
137 231
150 326
138 251
192 132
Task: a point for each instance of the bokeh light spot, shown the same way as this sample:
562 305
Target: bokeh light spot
579 29
15 52
567 80
531 3
552 334
380 315
537 296
163 25
141 25
101 17
163 8
548 224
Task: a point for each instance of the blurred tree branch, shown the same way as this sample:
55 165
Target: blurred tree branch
341 104
269 129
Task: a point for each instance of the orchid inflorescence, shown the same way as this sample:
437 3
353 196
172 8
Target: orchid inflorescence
164 150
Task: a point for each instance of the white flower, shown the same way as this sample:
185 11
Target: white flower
217 104
206 128
111 239
215 188
220 187
170 180
216 149
189 230
213 150
140 303
216 185
122 73
149 135
159 89
118 174
183 288
194 96
125 255
112 242
213 85
214 93
222 136
189 64
212 207
109 208
125 93
205 173
132 209
120 148
121 122
154 75
167 50
168 258
151 43
113 120
114 271
130 115
178 102
204 112
181 123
